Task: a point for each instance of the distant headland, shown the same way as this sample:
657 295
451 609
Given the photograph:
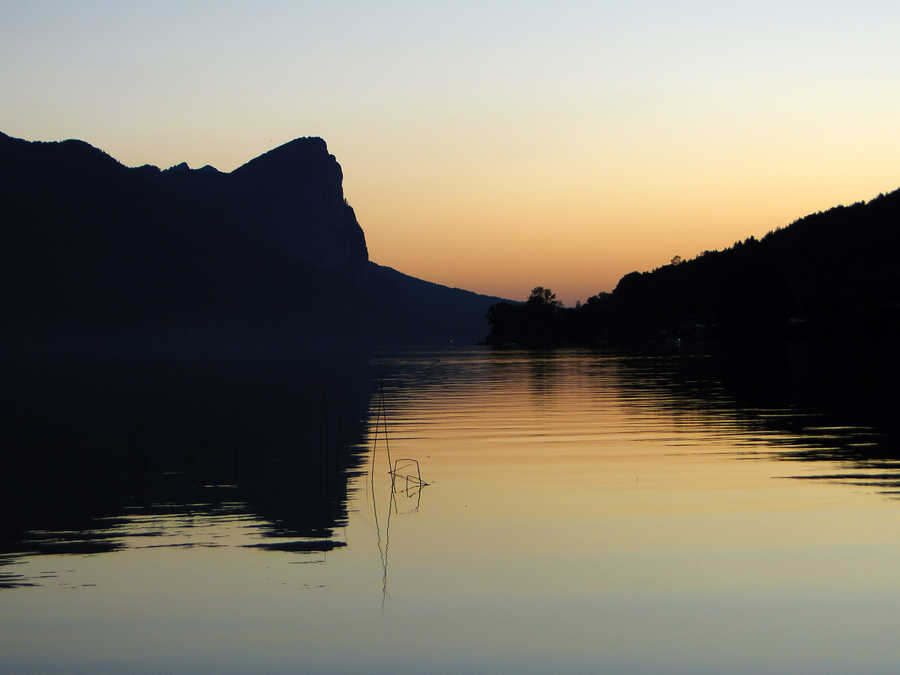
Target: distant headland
834 273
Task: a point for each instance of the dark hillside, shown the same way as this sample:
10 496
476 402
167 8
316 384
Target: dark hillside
828 274
401 306
835 272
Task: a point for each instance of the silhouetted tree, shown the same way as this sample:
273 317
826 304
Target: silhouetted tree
543 296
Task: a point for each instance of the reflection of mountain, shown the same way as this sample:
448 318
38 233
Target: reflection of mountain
269 257
90 444
175 342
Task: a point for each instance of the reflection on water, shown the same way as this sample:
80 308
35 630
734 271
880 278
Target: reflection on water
107 456
867 455
582 513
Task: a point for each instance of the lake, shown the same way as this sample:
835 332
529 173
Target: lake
582 513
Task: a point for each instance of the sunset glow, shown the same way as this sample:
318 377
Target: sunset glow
491 147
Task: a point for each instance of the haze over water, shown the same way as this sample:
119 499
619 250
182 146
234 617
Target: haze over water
584 513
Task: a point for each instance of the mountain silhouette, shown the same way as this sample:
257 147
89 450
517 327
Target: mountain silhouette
100 256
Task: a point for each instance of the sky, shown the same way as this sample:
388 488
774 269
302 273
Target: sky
493 146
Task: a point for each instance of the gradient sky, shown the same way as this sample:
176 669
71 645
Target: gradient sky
494 146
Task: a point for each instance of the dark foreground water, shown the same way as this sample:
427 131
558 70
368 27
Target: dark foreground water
583 513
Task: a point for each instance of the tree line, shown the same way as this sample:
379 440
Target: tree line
831 278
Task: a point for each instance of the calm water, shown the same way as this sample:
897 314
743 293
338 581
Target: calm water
583 514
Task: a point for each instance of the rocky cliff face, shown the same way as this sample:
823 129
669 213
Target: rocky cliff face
299 187
290 198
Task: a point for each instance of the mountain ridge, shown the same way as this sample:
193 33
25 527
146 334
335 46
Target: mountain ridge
269 252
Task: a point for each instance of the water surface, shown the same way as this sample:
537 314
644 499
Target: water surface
583 513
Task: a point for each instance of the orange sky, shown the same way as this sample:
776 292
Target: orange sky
577 219
492 146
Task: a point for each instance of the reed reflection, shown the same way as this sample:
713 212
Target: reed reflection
395 477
